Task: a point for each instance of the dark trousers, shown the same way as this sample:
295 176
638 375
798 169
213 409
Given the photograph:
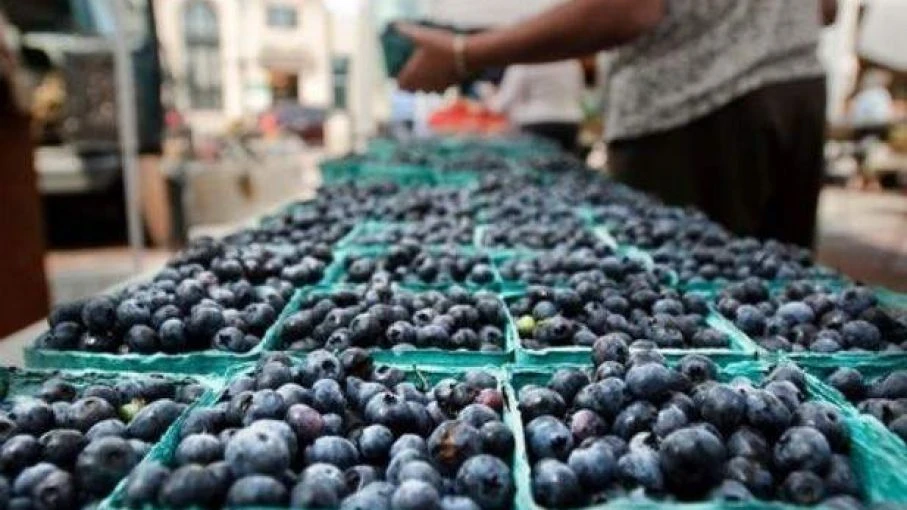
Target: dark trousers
754 165
564 133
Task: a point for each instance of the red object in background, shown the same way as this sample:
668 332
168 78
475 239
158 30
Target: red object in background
463 116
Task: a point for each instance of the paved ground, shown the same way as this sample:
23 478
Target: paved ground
864 234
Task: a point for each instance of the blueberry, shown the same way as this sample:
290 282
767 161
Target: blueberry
802 448
415 495
99 314
375 443
750 320
849 382
265 404
594 466
826 419
893 386
795 312
172 336
409 442
731 491
153 419
32 416
787 392
541 401
605 397
803 488
103 463
458 503
748 443
722 407
357 477
636 417
650 382
375 496
567 382
62 446
640 467
554 484
190 485
257 451
669 419
332 450
791 373
840 478
30 476
548 437
143 484
497 439
757 479
110 427
585 424
203 420
477 415
57 390
691 460
451 443
57 490
767 413
698 368
255 490
486 480
198 449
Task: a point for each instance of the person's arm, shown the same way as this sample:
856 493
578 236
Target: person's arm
828 11
569 30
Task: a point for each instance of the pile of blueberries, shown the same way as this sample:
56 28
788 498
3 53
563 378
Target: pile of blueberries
430 231
807 316
638 429
701 251
211 296
65 447
409 262
339 432
569 268
521 234
884 398
389 317
639 313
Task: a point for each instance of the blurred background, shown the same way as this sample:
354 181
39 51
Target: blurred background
237 100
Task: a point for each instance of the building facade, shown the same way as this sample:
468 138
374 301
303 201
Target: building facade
231 59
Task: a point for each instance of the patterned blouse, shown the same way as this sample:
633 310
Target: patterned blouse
703 55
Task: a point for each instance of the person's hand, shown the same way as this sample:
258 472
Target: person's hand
432 67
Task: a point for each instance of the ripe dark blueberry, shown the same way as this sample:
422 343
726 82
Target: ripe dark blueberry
190 485
860 334
153 419
802 448
640 467
554 484
172 334
451 443
541 401
415 495
826 419
803 488
257 490
198 449
99 314
548 437
486 480
840 478
691 459
143 484
594 466
634 418
650 381
257 451
753 475
103 463
721 406
605 397
333 450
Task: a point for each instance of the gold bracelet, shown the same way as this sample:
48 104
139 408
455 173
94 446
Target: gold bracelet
459 47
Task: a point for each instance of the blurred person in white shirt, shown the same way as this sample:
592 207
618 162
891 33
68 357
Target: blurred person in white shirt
543 100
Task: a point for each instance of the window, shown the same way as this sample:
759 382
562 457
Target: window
203 66
282 16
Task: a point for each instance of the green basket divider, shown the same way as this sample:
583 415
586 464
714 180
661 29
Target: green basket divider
335 273
429 356
338 170
742 348
877 457
165 449
210 361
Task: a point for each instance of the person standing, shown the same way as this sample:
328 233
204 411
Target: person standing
543 100
718 104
